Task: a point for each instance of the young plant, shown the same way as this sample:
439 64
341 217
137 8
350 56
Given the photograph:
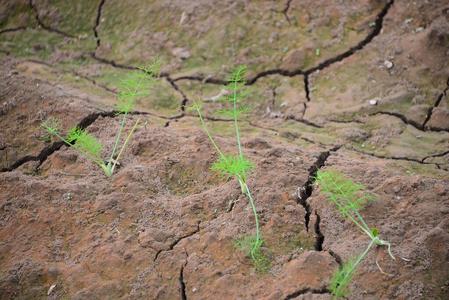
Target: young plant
236 164
349 198
133 88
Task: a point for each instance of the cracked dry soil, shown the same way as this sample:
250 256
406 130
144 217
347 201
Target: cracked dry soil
162 226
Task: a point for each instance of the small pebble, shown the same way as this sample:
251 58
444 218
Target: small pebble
419 29
388 64
373 102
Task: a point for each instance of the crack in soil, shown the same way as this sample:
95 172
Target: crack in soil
306 87
176 88
111 62
376 31
421 161
13 29
284 11
97 23
41 24
182 288
401 117
304 121
306 191
435 155
430 111
173 244
413 123
47 151
336 257
319 240
307 290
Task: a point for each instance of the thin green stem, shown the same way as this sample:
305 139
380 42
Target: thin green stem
208 134
123 123
361 256
123 147
235 120
353 266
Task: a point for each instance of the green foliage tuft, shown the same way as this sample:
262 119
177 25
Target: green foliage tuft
52 128
348 195
136 86
233 165
85 142
349 198
338 285
250 245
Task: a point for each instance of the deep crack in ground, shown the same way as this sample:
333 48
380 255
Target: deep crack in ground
48 151
182 288
306 191
305 291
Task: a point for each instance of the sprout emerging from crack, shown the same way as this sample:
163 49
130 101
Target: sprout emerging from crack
349 197
134 87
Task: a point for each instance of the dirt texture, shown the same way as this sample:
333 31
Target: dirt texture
356 86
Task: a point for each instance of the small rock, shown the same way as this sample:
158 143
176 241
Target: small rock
373 102
419 29
354 134
181 53
388 64
398 49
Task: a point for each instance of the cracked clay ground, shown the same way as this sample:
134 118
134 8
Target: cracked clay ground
357 86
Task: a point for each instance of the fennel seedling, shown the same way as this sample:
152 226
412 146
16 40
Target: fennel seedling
349 198
236 164
134 87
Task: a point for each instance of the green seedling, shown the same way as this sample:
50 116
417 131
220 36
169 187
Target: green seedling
313 89
349 197
236 164
133 88
250 245
372 24
317 52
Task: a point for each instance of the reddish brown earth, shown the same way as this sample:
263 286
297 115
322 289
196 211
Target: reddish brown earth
163 226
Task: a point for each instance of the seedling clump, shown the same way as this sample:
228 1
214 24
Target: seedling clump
133 88
236 164
349 198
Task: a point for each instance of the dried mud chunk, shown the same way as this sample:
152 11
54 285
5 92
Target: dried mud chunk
438 37
258 144
354 134
295 59
311 270
107 205
439 119
153 238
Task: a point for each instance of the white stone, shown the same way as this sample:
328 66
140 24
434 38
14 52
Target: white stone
388 64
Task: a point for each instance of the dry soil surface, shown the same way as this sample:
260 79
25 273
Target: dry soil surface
356 86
